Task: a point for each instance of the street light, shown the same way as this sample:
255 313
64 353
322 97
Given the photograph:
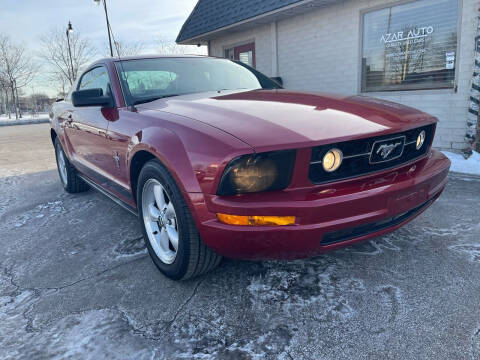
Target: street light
97 2
71 71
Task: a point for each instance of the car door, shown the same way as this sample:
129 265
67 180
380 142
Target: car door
87 128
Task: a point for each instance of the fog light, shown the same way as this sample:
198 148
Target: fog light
420 140
332 160
256 220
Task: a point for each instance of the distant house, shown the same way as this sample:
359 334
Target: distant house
419 52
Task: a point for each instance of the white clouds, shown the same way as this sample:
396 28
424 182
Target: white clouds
140 20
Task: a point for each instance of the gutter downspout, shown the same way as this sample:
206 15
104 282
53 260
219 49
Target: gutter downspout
274 39
473 130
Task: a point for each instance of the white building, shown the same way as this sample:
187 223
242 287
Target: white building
419 53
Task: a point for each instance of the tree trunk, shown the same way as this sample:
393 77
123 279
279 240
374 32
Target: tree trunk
18 103
7 104
4 103
14 101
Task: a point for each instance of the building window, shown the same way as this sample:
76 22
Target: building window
410 46
244 53
246 57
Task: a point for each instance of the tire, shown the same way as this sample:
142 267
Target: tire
68 175
191 257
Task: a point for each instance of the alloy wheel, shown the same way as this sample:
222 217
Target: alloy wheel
160 221
62 165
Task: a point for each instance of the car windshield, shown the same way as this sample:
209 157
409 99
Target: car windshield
146 80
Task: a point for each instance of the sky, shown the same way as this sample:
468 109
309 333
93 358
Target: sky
24 21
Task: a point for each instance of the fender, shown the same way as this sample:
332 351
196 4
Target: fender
56 127
171 153
186 162
170 150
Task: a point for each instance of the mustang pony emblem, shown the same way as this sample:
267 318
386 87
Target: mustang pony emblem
385 150
117 159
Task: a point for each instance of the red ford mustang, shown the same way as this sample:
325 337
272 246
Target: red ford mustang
216 159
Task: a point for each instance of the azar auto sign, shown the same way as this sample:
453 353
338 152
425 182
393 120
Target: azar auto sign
417 33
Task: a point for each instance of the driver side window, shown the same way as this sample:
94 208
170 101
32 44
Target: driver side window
96 78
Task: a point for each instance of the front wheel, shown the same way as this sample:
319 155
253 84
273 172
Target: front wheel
170 233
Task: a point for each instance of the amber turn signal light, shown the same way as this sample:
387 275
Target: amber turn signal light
256 220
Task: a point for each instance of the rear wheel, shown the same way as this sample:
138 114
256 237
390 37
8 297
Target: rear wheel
68 175
170 233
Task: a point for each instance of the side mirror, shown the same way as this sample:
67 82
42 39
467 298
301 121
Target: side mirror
91 97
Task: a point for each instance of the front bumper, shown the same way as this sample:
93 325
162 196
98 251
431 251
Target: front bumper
328 216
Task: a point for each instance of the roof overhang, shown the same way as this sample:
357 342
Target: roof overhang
298 8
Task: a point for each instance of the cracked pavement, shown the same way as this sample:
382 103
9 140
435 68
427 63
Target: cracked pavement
76 283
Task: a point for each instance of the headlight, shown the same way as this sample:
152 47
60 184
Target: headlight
420 140
332 160
258 172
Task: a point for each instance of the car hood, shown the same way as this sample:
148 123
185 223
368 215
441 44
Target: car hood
267 119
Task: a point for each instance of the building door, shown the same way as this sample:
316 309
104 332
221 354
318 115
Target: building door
244 53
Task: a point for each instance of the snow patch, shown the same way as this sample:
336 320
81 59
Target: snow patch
388 307
460 165
377 247
131 247
92 334
199 338
25 119
472 250
50 209
476 344
294 286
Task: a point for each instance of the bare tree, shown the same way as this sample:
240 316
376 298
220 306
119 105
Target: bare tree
167 47
16 69
55 53
4 88
37 102
126 48
58 82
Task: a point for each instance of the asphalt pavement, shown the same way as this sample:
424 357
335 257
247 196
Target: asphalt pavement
76 283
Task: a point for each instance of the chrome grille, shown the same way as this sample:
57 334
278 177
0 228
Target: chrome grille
358 155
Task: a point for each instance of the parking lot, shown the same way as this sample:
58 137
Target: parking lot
76 282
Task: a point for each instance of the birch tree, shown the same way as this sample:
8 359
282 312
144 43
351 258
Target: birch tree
4 97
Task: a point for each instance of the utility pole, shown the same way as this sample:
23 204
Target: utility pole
108 24
71 71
